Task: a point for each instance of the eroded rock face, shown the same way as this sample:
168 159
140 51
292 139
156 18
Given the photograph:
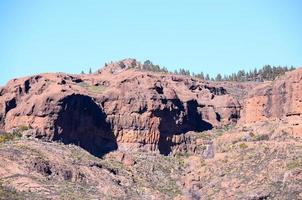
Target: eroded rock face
280 99
252 161
121 104
81 121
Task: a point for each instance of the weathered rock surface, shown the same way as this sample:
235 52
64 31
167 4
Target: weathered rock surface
256 161
32 169
121 105
280 99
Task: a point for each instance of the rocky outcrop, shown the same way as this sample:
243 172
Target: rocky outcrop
120 105
252 161
33 169
279 99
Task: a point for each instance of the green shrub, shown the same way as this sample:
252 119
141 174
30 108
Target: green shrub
243 146
23 128
9 136
15 134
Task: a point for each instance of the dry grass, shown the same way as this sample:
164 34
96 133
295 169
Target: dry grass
9 136
92 88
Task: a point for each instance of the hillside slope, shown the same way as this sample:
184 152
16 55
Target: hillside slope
128 133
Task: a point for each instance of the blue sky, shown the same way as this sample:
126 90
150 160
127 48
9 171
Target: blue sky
213 36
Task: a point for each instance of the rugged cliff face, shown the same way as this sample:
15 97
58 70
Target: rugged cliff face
122 110
121 105
280 99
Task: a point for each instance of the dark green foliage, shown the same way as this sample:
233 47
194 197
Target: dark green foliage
182 71
200 75
149 66
266 73
207 77
218 77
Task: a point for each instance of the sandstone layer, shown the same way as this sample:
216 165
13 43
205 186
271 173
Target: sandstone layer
119 106
279 99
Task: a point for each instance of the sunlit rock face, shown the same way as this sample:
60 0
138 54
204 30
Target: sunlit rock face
279 99
120 106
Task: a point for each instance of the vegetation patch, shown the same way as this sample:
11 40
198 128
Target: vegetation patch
9 193
23 128
295 164
5 137
260 137
15 134
149 66
92 88
266 73
243 146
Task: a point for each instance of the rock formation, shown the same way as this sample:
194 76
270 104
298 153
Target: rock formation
120 105
122 113
280 99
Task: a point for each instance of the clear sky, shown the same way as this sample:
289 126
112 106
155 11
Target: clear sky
214 36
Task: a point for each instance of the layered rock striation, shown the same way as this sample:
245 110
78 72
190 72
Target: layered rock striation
275 100
120 106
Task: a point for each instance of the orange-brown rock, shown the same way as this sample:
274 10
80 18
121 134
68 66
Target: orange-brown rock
124 158
121 104
279 99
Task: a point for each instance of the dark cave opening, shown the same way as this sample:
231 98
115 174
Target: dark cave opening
195 121
27 86
82 122
10 104
178 120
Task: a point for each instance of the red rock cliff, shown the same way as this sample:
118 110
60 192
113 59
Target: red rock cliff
119 105
280 99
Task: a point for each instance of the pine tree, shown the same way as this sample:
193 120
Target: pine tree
218 77
200 75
